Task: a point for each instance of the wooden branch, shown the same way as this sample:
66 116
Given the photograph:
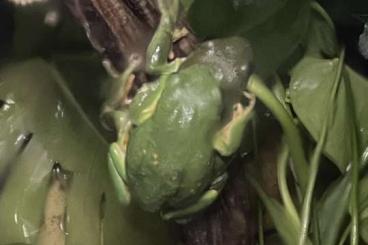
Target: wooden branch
118 29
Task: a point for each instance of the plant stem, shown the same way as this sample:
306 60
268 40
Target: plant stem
256 86
316 6
311 182
260 225
306 209
282 181
355 167
316 228
345 235
354 197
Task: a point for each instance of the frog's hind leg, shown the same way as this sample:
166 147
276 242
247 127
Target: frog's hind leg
115 114
228 139
181 215
160 45
117 102
117 156
120 186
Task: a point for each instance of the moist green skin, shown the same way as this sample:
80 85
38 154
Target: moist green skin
170 160
170 138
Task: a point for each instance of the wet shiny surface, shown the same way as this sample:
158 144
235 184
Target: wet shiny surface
37 101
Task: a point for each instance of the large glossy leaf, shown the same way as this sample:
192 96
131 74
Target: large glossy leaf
332 209
311 83
230 15
275 28
364 230
37 101
321 37
363 205
279 36
89 88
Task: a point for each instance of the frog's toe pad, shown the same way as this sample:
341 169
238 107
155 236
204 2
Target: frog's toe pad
181 214
121 188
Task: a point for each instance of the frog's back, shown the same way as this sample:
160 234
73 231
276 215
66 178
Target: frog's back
170 154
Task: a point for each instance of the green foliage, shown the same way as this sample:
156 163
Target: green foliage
37 101
276 32
287 226
296 38
332 210
321 38
311 82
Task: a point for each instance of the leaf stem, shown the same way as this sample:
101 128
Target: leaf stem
317 7
306 209
260 225
355 167
354 202
345 235
256 86
282 181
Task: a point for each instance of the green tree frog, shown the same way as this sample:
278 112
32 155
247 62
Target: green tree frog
171 138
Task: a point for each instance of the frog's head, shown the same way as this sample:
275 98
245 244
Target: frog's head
229 59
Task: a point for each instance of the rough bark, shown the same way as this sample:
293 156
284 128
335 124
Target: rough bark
118 29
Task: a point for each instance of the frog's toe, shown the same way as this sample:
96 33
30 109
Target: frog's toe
182 214
118 182
228 139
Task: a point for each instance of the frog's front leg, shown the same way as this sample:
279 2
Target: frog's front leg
160 45
117 156
202 203
228 139
121 87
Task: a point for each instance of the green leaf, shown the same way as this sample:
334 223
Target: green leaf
186 4
332 209
364 230
231 15
321 36
287 227
311 83
89 88
278 37
363 195
37 100
274 28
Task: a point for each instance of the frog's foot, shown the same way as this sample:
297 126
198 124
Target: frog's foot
228 139
184 215
180 33
116 158
118 100
121 89
161 43
114 120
